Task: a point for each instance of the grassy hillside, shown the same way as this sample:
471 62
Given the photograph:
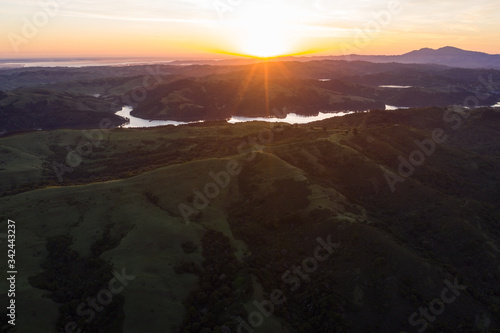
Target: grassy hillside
290 87
246 94
201 269
36 108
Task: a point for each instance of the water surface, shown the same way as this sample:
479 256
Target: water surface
135 122
396 87
291 118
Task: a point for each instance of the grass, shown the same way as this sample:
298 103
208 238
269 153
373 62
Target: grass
396 248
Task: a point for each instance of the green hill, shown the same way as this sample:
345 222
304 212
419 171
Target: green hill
213 219
37 108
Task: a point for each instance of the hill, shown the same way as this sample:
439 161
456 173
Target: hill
54 98
273 195
279 88
36 109
447 56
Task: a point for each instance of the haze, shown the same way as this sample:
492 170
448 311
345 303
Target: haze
203 28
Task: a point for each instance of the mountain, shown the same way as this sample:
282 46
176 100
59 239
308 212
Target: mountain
80 97
38 108
447 56
252 94
307 88
453 57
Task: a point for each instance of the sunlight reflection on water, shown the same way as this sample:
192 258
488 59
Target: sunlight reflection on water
291 118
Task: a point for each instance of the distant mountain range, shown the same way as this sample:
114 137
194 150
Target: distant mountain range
447 56
50 98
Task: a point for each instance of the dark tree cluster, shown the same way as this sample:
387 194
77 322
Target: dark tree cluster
72 280
224 286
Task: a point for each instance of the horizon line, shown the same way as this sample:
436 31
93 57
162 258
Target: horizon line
224 55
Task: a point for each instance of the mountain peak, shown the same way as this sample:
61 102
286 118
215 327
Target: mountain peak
426 51
450 48
454 51
448 51
448 56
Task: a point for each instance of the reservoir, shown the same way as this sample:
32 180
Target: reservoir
291 118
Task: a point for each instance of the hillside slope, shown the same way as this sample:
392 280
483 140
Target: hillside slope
211 218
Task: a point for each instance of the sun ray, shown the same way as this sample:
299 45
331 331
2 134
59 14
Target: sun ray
246 83
266 87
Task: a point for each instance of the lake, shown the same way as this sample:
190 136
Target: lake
392 107
135 122
395 87
291 118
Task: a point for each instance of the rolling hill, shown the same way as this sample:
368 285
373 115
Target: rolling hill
36 109
288 189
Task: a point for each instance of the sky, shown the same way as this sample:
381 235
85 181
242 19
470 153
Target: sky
262 28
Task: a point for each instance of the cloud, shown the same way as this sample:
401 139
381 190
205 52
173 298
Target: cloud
326 20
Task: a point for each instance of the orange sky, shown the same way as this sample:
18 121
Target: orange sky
197 28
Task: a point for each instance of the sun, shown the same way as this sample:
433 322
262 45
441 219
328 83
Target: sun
267 30
264 41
